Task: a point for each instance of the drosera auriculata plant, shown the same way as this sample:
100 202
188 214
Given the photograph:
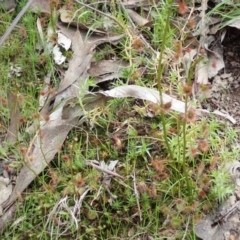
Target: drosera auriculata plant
169 162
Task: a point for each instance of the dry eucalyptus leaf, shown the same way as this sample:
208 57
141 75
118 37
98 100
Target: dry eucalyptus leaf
105 70
7 217
78 66
67 17
77 75
77 71
5 189
42 149
70 32
90 101
145 94
153 96
138 19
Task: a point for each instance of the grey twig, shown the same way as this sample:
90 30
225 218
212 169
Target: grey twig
15 22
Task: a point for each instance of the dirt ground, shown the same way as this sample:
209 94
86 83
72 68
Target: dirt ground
226 85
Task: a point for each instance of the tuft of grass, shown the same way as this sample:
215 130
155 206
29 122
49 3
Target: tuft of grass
228 13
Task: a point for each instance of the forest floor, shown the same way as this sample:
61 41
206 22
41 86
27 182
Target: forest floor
120 120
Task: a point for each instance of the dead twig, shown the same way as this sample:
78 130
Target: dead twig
14 23
186 229
137 195
14 125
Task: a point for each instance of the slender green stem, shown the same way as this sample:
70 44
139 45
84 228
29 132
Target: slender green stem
160 70
184 151
184 139
184 133
184 145
179 141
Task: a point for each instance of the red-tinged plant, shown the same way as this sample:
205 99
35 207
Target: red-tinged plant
191 116
158 165
137 44
192 23
200 168
182 7
54 178
203 145
187 89
3 101
166 107
193 152
65 158
80 182
202 194
178 50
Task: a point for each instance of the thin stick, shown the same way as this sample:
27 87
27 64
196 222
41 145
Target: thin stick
15 22
186 230
136 195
